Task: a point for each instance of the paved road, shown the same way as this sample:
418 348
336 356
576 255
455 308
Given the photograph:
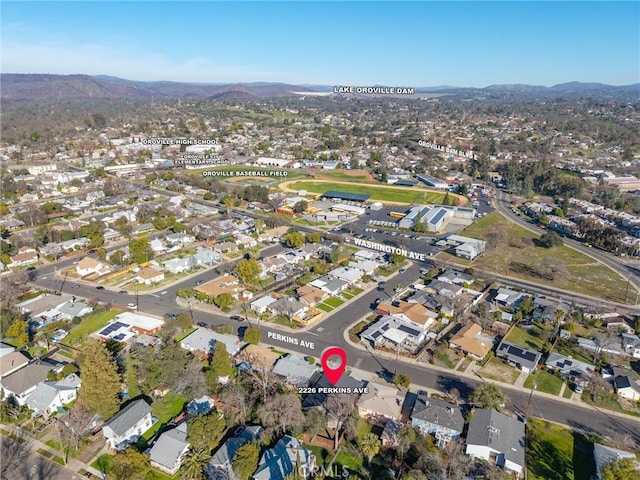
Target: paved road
330 333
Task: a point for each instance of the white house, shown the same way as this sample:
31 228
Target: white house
48 397
170 449
262 304
128 424
149 276
631 345
88 266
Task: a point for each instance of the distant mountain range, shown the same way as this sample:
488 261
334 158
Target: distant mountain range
34 87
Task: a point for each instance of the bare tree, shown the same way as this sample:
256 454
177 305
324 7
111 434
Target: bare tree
339 407
282 413
74 426
191 382
237 404
260 375
14 449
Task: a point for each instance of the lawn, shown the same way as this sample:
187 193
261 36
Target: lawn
334 302
381 193
518 256
185 334
570 349
90 324
545 382
525 339
347 175
496 369
324 307
165 409
356 330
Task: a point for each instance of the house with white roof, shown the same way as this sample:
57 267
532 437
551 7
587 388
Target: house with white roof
202 340
262 304
294 370
126 426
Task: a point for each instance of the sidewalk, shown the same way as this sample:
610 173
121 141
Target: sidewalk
72 464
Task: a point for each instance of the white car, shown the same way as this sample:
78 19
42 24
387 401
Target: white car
132 306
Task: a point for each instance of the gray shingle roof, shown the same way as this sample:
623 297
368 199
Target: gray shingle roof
499 432
128 416
170 446
438 412
25 378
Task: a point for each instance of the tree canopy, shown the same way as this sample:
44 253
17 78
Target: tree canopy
100 387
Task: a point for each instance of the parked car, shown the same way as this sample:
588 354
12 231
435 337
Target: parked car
199 282
171 315
132 306
201 324
237 318
99 287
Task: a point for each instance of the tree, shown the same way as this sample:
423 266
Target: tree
396 258
129 465
221 362
224 300
402 379
14 450
315 422
258 225
406 437
117 257
370 446
312 238
19 331
550 239
339 407
620 469
252 335
245 460
282 413
238 404
74 426
193 463
140 250
293 239
100 387
248 270
487 395
300 206
205 431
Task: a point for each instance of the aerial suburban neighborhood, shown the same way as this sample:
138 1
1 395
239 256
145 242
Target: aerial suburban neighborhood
285 282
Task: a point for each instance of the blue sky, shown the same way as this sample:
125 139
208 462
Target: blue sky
336 43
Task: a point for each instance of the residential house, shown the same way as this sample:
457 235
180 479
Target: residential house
89 266
289 307
627 387
523 359
50 397
246 241
411 312
470 341
320 385
498 439
278 462
464 247
438 418
262 304
71 309
126 426
224 284
603 454
75 244
12 361
509 298
310 295
380 404
21 383
205 256
23 259
180 238
329 284
44 308
631 345
273 234
350 275
455 277
178 265
142 228
227 247
202 340
445 289
157 245
367 266
170 449
294 370
396 333
220 465
149 276
574 370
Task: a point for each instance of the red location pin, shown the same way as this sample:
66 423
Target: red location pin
333 374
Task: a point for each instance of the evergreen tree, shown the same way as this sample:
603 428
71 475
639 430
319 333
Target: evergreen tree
245 461
100 387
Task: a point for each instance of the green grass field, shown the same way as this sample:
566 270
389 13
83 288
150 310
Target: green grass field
92 323
554 452
333 302
518 256
382 193
522 337
170 406
545 382
324 307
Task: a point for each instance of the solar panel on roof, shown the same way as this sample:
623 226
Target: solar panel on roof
409 330
438 216
386 327
376 334
119 337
